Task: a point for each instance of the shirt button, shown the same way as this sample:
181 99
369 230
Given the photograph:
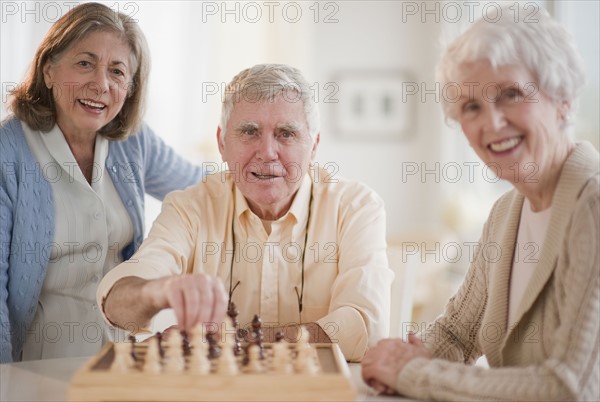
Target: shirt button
94 307
114 168
97 215
95 278
129 203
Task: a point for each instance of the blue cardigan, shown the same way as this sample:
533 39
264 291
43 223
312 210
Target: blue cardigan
143 163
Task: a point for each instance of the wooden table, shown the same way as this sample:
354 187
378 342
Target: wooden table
48 380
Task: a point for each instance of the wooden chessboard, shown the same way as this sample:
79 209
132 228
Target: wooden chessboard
96 382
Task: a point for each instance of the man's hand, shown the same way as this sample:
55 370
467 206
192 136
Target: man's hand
383 363
195 298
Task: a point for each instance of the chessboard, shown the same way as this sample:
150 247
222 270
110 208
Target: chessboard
97 380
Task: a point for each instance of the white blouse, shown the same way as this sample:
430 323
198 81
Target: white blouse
530 237
92 227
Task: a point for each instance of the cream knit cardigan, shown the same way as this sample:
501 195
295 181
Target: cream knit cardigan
553 352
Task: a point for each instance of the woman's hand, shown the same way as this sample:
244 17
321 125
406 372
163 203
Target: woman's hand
383 363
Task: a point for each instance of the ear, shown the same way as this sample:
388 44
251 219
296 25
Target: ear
313 152
48 74
220 143
564 107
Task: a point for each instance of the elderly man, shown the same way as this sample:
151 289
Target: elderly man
290 241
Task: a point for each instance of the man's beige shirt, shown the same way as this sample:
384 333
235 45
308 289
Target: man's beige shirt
347 278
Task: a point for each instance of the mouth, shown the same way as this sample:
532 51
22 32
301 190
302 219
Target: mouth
264 176
91 105
505 145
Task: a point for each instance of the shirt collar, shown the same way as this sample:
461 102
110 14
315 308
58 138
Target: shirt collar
298 210
58 148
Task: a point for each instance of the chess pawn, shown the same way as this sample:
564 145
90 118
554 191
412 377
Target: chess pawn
132 342
257 335
254 361
122 362
152 363
305 356
214 351
227 363
281 363
174 361
199 362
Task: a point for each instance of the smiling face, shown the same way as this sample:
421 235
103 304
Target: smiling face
89 82
513 127
269 147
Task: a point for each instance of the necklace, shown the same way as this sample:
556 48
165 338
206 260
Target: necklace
299 295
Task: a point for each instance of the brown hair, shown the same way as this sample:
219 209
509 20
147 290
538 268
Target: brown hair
32 101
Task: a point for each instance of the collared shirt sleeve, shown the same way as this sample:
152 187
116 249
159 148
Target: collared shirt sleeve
165 252
359 310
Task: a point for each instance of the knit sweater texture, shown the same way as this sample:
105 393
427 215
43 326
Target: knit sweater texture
141 164
552 353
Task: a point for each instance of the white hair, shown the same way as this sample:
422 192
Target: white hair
533 40
265 82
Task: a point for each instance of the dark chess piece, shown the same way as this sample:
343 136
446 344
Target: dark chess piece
161 350
233 312
187 350
279 336
257 334
131 339
214 351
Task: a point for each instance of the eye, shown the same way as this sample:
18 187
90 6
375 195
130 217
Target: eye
512 94
287 134
118 72
84 63
470 107
251 131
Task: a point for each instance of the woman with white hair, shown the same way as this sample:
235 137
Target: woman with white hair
533 310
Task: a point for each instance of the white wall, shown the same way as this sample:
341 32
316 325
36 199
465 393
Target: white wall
199 45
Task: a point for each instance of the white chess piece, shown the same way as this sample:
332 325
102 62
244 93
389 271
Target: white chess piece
174 361
199 362
227 363
123 360
254 363
152 361
305 355
281 363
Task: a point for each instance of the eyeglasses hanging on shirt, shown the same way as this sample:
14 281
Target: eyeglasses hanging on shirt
299 294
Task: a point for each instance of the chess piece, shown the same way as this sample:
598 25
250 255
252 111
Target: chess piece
227 363
199 363
233 312
186 343
255 364
281 363
214 351
132 341
279 336
122 361
152 363
305 355
161 350
174 362
258 335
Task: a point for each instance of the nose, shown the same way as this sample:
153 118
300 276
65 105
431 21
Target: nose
267 148
494 118
101 81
